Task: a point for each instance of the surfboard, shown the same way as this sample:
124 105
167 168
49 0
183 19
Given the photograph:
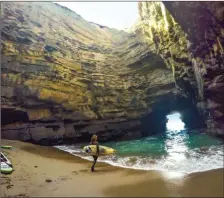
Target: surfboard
6 147
104 150
6 165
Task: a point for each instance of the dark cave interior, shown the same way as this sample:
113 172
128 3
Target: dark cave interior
155 122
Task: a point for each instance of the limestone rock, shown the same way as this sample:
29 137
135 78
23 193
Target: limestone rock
61 68
189 37
66 78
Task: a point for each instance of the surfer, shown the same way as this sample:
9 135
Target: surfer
95 142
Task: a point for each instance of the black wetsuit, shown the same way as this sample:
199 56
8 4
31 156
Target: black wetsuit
95 156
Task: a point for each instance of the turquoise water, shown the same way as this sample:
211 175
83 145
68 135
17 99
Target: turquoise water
181 151
164 144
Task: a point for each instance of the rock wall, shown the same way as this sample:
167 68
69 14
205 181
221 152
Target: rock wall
66 78
63 77
189 36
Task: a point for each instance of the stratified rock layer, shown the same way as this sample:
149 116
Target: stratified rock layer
65 77
189 36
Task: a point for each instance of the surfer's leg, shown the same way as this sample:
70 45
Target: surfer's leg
94 162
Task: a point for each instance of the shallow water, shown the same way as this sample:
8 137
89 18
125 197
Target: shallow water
181 151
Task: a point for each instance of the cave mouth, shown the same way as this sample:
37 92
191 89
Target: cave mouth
93 12
12 116
174 122
172 114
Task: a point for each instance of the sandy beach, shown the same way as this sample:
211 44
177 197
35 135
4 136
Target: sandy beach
46 171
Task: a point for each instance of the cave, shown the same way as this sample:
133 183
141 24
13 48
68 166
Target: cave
11 116
128 81
156 121
153 92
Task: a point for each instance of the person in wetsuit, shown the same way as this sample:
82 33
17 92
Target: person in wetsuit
95 142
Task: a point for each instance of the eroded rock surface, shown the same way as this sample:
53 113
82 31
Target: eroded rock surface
74 78
66 78
189 36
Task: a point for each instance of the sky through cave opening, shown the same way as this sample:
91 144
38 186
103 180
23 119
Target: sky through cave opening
118 15
174 122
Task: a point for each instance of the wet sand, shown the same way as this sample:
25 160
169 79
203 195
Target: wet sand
46 171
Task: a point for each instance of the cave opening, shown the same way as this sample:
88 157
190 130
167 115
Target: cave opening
11 116
93 11
171 114
174 122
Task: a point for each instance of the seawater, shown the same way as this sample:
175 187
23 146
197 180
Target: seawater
184 151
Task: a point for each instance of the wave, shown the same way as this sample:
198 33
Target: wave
191 161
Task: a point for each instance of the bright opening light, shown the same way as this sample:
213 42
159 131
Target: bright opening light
119 15
174 122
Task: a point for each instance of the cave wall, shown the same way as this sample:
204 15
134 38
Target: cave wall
189 36
74 78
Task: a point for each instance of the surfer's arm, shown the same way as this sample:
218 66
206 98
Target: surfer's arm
97 149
